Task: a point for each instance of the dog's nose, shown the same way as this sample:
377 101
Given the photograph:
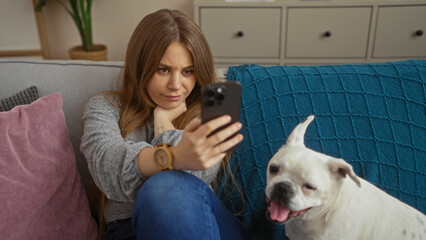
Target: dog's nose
282 192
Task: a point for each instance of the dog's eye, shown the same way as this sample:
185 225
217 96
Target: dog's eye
273 169
309 187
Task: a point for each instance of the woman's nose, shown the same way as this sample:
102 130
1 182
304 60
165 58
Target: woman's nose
174 81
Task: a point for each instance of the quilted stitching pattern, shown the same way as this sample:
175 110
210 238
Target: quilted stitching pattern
371 115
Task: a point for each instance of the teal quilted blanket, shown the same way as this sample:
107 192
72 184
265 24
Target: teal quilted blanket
371 115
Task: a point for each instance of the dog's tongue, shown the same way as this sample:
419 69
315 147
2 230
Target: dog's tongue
278 212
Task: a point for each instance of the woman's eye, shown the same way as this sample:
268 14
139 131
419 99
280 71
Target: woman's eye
163 70
188 72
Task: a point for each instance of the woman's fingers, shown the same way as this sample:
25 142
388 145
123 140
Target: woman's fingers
211 140
223 140
201 148
218 152
223 134
207 128
228 144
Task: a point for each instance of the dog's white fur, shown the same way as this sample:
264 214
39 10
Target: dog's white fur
327 205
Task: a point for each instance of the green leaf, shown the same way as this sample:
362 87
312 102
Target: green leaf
81 15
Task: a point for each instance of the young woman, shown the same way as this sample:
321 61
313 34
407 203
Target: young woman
145 145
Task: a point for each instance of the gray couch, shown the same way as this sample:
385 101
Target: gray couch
77 80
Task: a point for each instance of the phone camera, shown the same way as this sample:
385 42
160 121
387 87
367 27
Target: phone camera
220 93
210 93
210 103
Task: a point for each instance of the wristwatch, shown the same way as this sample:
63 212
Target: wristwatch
163 156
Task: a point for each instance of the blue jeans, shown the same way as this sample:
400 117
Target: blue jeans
178 205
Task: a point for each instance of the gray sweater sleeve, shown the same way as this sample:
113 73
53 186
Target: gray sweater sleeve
112 160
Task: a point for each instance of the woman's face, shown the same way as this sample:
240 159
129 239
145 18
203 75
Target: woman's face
174 79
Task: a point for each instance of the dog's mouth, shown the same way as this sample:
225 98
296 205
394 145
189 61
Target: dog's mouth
280 213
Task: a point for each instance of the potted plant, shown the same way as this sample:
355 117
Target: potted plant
80 12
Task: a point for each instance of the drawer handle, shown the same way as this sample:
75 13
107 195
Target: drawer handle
240 33
419 33
327 34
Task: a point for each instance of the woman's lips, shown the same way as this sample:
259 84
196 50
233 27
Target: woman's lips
173 98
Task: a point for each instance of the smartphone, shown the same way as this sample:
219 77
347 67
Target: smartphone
220 99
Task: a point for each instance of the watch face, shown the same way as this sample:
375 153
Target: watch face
161 157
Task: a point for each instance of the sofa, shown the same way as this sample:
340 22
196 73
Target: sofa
372 115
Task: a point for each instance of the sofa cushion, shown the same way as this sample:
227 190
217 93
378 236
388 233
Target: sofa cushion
371 115
77 80
25 96
41 194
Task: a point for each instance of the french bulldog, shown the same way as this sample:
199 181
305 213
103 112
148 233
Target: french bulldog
320 197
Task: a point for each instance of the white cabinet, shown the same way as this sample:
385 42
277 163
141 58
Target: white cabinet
400 32
232 31
327 32
313 32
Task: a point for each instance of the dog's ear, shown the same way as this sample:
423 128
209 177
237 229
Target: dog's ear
297 136
339 168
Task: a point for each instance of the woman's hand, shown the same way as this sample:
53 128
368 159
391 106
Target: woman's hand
199 151
163 118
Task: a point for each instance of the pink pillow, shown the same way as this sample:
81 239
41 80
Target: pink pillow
41 196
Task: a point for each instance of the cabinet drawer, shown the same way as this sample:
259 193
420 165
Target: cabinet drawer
400 32
332 32
242 32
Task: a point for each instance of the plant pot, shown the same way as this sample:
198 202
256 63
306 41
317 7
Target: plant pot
99 53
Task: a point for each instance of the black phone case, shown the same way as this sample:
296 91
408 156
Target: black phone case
220 99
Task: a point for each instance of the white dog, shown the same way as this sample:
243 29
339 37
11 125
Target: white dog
309 192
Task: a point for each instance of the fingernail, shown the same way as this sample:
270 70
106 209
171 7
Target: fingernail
240 137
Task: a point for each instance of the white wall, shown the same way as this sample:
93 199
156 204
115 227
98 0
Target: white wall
113 21
18 29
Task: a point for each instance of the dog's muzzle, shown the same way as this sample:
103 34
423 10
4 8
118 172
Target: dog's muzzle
278 211
282 192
